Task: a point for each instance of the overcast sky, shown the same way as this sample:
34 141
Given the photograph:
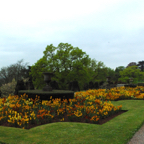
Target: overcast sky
111 31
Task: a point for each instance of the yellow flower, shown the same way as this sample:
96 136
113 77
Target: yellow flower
62 119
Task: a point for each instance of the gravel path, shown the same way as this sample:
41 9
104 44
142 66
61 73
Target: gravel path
138 137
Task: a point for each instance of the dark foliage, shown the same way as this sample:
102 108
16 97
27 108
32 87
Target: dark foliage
91 85
141 65
0 93
29 85
73 86
101 83
96 85
19 86
86 86
110 82
54 85
3 142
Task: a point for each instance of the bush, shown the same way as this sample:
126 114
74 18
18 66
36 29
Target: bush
9 88
140 84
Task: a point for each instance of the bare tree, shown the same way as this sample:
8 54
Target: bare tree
131 64
16 71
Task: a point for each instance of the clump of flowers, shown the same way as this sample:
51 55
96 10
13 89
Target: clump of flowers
20 111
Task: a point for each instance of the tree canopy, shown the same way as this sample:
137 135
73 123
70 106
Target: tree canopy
68 64
141 65
131 72
98 71
117 72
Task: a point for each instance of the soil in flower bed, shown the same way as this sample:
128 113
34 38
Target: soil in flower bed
56 119
126 99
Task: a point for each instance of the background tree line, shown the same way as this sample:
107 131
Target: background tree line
68 64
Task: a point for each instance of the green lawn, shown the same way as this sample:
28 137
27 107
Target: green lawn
116 131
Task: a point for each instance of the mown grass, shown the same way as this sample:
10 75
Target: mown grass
116 131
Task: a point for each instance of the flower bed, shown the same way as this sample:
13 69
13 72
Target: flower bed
92 106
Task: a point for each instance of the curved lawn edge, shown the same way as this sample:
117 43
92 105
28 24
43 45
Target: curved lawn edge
116 131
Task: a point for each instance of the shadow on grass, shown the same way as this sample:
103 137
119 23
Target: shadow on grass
3 143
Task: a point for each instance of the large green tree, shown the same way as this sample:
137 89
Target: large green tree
131 72
111 73
120 68
68 63
37 73
97 71
117 72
